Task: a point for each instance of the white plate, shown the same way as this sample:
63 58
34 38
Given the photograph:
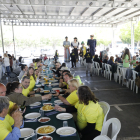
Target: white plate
66 131
37 95
55 84
26 132
44 118
56 89
47 103
45 133
45 136
64 116
53 80
36 89
35 104
58 101
32 115
39 85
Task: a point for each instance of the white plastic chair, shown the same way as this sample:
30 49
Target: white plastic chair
133 84
106 108
116 126
93 67
102 137
108 72
118 75
98 69
105 71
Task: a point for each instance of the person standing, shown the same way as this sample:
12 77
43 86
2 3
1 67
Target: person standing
73 59
66 45
7 63
75 46
92 45
88 58
56 55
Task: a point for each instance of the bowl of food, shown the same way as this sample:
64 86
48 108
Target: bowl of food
46 91
45 138
44 119
47 103
47 108
45 130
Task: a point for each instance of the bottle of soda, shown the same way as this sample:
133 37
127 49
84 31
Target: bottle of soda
22 107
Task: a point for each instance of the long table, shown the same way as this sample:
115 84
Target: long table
54 121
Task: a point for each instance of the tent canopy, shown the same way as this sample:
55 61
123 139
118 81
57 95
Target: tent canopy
108 13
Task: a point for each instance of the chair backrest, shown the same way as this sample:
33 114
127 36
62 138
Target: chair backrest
108 67
98 65
134 74
103 66
116 126
106 108
102 137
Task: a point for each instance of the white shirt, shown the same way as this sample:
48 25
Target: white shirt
6 61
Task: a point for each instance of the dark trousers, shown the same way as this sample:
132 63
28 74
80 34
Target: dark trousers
73 62
11 68
76 52
8 70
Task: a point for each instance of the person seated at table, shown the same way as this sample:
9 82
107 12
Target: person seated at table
96 59
105 60
57 69
39 69
14 93
31 74
3 93
72 99
90 115
133 62
37 73
24 68
118 59
25 82
9 125
105 53
32 64
67 77
111 61
45 57
126 58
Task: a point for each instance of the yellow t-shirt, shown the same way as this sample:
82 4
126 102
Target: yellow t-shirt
32 83
73 98
11 104
66 84
26 91
35 65
6 126
91 113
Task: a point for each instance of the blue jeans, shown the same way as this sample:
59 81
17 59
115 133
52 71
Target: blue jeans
8 70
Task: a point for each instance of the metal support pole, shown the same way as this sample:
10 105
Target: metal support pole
113 37
132 36
13 39
2 36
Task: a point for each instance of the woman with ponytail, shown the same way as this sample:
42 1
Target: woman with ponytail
14 93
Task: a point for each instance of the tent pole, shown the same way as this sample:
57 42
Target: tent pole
132 36
13 39
2 36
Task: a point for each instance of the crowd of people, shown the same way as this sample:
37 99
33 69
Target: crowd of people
80 99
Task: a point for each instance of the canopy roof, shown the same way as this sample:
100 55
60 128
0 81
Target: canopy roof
106 13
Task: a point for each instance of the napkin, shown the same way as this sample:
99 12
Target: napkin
33 107
69 135
51 113
30 120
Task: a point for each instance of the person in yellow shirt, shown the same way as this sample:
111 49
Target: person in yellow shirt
31 74
9 125
90 115
72 99
3 93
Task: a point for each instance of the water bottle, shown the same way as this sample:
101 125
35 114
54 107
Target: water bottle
65 123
